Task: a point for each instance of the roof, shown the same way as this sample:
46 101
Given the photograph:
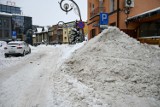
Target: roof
9 14
144 14
39 30
33 36
5 14
45 29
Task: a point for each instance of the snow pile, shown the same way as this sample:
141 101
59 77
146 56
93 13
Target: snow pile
2 45
120 70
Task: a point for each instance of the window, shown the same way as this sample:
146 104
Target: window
6 33
92 7
17 10
113 24
13 10
4 8
150 29
0 7
0 23
8 9
93 32
112 5
0 33
6 23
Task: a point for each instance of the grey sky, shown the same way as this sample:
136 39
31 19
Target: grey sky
48 12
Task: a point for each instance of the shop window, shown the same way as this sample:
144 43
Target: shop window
6 23
6 33
150 29
1 33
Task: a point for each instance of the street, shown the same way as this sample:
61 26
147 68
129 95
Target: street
110 70
28 84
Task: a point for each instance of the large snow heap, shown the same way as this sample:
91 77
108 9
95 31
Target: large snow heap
114 65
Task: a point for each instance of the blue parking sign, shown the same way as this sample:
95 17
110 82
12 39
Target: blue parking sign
14 34
103 19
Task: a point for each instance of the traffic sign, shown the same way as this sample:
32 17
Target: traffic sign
103 19
14 34
81 24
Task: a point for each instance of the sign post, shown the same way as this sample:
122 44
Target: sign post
103 20
81 24
14 34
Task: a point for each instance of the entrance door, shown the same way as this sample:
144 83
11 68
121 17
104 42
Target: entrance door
93 33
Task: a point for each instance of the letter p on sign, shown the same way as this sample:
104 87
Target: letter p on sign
103 18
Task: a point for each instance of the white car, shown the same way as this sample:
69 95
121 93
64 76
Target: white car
17 48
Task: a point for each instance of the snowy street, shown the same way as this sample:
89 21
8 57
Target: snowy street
110 70
27 82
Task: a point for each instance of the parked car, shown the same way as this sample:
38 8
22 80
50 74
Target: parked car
17 48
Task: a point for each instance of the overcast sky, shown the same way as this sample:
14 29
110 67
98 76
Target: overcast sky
48 12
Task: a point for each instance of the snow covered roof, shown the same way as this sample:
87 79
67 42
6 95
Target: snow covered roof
145 14
9 14
6 14
45 29
33 36
39 30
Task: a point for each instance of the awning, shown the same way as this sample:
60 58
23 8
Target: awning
146 14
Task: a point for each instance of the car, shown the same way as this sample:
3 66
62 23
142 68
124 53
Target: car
17 48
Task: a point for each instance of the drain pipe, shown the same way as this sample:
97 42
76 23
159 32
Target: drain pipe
118 13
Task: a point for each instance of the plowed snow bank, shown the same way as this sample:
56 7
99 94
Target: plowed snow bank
121 71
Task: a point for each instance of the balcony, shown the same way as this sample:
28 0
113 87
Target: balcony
97 11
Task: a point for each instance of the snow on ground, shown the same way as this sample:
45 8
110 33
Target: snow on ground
25 81
111 70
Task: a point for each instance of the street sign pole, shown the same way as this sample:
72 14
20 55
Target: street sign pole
14 34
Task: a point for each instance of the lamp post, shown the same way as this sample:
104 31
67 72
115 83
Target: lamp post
29 36
66 8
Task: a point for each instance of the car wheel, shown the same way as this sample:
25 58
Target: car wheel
23 53
29 51
6 55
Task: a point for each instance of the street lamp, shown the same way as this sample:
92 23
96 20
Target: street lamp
66 8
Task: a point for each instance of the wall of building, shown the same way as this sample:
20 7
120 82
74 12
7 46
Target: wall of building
5 27
140 6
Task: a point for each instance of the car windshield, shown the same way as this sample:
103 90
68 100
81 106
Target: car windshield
14 43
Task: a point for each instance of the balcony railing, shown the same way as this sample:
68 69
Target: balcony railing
97 11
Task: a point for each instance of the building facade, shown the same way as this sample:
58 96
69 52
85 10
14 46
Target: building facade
5 26
14 25
131 16
67 29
